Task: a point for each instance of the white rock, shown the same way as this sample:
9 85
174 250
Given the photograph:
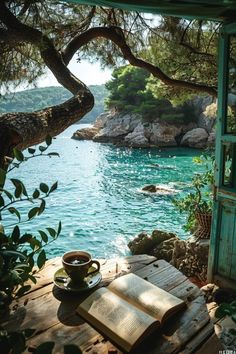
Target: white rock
164 134
101 120
117 126
137 137
196 138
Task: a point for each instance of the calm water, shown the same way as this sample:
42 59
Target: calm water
99 200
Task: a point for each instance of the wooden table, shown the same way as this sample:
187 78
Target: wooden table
51 311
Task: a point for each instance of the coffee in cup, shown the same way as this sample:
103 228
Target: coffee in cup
77 265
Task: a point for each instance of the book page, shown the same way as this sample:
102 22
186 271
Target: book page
116 318
146 296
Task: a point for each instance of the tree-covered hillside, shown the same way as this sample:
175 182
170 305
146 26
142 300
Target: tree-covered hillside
130 91
38 98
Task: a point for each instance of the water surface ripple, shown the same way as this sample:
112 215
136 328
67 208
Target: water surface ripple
98 198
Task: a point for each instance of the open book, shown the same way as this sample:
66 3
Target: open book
128 310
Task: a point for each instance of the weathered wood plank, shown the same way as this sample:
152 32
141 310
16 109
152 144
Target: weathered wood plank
170 339
179 329
46 306
52 312
108 267
227 230
186 291
200 338
163 275
222 330
84 336
212 345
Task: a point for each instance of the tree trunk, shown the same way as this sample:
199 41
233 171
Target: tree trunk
8 139
22 130
25 129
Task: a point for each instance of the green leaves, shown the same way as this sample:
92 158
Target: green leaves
2 177
24 289
45 348
20 194
42 148
200 198
53 187
15 234
71 349
41 259
53 154
227 310
17 342
31 151
26 238
19 254
13 210
36 194
44 187
18 155
43 235
7 193
52 232
42 207
19 188
48 140
59 228
33 212
2 201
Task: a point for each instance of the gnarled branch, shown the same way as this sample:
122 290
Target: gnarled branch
32 128
115 34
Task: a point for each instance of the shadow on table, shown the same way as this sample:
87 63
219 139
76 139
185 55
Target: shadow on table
67 309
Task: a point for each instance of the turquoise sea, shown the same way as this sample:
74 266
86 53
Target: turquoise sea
99 200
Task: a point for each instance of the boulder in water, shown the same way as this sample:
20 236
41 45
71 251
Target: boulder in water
85 134
160 189
150 188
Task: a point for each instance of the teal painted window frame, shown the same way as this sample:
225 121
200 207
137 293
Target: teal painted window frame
222 192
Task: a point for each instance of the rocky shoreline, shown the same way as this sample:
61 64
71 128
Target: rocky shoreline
189 256
131 130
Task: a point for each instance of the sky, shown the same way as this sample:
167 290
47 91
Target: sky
90 74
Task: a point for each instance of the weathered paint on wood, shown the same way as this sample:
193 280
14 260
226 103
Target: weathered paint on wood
52 312
226 242
222 260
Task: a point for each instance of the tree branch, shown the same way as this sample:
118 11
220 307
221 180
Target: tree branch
26 129
31 128
115 34
49 54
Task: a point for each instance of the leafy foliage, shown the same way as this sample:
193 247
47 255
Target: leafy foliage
129 92
225 309
200 199
38 98
20 252
184 49
14 342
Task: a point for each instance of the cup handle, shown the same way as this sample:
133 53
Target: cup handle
98 267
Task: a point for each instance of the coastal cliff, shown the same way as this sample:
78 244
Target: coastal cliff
132 130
